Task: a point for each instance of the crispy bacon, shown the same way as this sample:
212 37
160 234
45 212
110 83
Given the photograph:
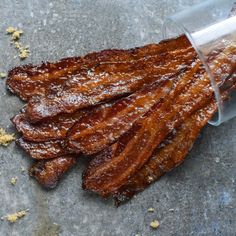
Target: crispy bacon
28 81
49 172
108 81
155 90
97 130
53 129
169 154
135 147
43 150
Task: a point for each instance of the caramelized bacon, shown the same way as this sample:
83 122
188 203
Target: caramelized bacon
135 147
165 88
49 172
53 129
97 130
108 81
28 81
169 154
43 150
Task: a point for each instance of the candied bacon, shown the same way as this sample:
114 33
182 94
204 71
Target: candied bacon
52 129
29 80
97 130
160 88
49 172
107 81
43 150
136 146
169 154
55 128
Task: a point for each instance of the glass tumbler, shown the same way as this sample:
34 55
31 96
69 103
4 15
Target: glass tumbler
211 29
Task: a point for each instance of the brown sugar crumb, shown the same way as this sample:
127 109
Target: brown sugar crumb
12 218
150 209
150 179
10 30
3 75
15 35
5 138
155 224
14 180
23 52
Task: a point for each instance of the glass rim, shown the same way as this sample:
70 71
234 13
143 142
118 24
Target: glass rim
219 114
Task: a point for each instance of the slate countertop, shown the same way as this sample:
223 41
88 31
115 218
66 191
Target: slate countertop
200 193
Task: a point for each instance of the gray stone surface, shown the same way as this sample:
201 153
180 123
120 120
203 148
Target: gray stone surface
201 191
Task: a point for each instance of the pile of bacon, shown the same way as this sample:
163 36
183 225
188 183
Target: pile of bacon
135 112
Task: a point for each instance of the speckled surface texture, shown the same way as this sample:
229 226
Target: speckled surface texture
201 192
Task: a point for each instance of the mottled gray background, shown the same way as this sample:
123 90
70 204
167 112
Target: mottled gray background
201 191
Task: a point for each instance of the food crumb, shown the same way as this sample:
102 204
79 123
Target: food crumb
15 35
14 180
23 52
150 209
12 218
17 45
10 30
155 224
5 138
3 75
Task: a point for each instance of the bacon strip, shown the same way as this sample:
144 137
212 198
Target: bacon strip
27 81
137 145
134 148
49 172
107 81
43 150
53 129
96 131
169 154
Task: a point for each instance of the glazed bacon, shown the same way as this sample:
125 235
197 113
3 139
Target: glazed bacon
49 172
108 81
53 129
108 124
168 155
29 80
136 146
160 95
43 150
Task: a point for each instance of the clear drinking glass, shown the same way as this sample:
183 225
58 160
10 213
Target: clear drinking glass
211 28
